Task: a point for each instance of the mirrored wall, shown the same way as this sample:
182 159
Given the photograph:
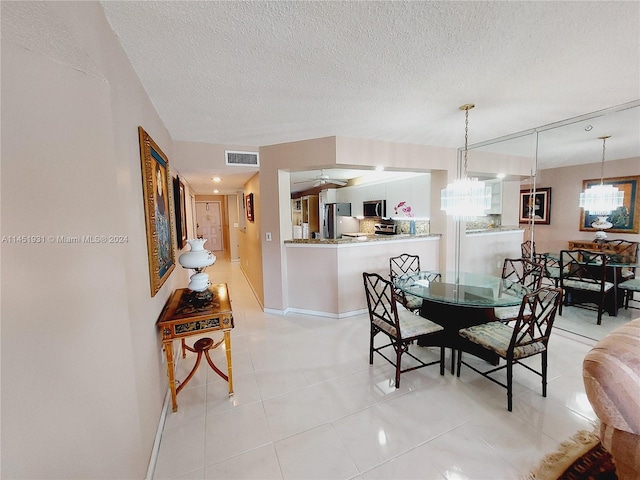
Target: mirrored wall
571 143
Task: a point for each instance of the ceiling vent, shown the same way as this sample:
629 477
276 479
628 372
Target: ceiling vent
242 158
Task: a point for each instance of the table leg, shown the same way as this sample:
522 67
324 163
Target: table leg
227 346
168 351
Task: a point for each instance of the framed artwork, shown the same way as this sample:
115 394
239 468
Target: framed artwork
536 206
157 199
181 212
249 200
626 219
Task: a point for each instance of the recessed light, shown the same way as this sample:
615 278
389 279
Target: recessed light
500 175
588 128
216 179
216 191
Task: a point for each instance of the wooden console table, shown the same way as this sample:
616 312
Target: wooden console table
183 317
599 247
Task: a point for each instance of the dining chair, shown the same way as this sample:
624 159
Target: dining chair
551 265
583 279
400 326
513 342
402 265
518 272
622 251
528 250
629 287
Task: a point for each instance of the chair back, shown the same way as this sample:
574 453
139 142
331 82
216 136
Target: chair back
528 249
583 269
523 271
383 310
403 264
620 251
533 326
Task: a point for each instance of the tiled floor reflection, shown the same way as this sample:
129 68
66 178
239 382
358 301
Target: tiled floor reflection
307 405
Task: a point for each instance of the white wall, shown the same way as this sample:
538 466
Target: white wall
82 380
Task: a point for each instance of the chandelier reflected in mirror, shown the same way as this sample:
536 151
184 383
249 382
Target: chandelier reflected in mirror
466 198
600 200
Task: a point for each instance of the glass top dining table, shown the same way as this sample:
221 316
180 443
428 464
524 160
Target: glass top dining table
462 289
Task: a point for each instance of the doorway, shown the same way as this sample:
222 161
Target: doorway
209 224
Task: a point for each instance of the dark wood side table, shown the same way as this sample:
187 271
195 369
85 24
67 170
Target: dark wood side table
183 316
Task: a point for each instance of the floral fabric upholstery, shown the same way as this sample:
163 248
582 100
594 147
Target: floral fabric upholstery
496 336
591 286
633 285
410 325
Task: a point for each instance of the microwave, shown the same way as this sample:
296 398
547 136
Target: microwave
374 208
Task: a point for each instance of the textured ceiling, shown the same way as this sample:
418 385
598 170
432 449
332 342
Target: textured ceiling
261 73
256 73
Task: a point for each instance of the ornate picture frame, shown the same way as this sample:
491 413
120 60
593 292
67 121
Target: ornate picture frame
625 219
181 212
250 212
538 204
158 203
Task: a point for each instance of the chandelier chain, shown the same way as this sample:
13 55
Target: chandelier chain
466 139
604 142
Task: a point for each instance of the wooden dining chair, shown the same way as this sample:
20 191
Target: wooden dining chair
528 251
400 326
583 280
622 251
513 342
518 272
402 265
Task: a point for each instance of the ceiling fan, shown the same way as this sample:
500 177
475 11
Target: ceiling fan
323 179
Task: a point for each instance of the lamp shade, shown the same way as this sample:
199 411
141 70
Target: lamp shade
466 198
601 199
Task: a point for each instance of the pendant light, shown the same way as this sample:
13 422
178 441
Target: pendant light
601 199
466 198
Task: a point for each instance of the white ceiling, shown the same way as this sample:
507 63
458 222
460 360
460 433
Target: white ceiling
253 73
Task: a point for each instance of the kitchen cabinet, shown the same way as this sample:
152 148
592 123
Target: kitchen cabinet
306 210
496 196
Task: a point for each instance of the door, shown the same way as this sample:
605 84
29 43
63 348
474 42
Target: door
209 224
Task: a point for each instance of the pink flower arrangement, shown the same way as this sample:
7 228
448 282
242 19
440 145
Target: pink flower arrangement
404 208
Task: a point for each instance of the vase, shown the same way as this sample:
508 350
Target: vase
412 227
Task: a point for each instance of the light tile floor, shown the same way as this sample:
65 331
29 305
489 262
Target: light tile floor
307 405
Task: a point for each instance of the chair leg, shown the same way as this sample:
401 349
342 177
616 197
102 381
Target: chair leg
371 347
453 361
510 385
544 373
442 360
459 361
399 351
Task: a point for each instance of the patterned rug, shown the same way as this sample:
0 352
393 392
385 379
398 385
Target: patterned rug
581 458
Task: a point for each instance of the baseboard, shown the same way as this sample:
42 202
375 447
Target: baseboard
315 313
156 443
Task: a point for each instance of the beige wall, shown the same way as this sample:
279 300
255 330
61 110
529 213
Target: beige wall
566 185
250 242
82 379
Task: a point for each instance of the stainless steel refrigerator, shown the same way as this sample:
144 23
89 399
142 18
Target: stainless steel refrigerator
330 221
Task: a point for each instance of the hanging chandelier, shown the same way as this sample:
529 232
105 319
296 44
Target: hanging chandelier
601 200
466 198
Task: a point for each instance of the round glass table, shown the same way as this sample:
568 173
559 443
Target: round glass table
459 300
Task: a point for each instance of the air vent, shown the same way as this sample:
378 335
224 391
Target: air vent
242 158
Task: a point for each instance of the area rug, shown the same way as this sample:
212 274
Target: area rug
581 458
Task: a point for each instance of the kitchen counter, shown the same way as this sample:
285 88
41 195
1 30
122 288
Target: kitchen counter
503 229
369 238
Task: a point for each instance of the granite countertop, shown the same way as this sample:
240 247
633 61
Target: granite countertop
366 239
504 228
